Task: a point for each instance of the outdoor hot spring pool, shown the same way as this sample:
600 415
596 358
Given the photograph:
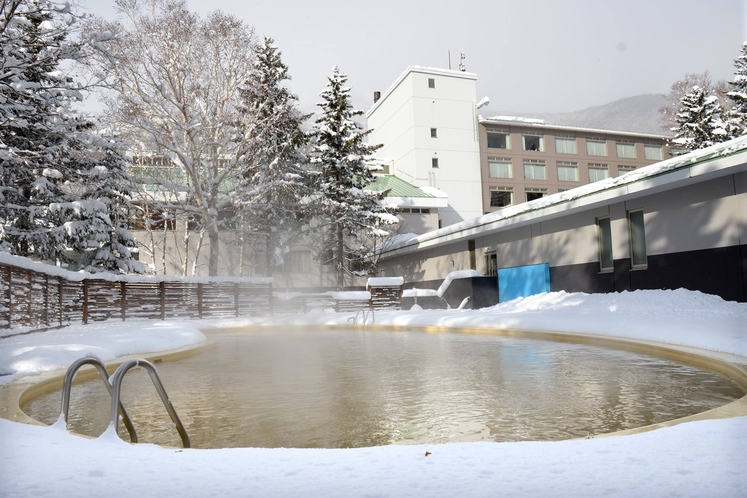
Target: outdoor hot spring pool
353 388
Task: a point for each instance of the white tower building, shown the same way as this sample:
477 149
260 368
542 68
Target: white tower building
427 124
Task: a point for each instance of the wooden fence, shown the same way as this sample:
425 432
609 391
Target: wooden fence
37 300
34 299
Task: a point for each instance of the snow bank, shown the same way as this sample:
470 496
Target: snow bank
57 349
385 282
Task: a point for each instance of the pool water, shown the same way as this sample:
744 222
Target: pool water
354 388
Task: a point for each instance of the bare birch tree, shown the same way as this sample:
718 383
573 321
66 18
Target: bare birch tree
174 80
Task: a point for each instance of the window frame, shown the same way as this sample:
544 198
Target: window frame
434 132
501 160
568 165
625 144
431 82
633 234
539 137
508 190
598 167
648 147
604 238
504 133
530 190
592 140
627 169
567 139
434 162
534 162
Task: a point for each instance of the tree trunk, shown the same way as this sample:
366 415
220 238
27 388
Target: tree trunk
214 247
340 259
268 256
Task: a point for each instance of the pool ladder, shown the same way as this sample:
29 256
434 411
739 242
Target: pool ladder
363 314
114 386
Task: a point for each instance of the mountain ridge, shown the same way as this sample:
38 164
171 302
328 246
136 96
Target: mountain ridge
637 114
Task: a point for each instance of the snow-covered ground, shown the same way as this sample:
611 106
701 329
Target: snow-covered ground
704 458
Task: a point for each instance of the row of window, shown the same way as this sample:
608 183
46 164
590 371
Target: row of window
636 235
567 145
504 196
415 210
536 169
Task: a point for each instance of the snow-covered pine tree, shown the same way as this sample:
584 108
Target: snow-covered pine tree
737 115
340 153
699 122
273 181
48 153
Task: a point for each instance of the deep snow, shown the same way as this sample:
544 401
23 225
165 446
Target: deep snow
703 458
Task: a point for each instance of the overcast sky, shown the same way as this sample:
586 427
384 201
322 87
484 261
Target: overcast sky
539 56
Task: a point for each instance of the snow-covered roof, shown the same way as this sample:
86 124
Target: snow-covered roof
545 125
718 160
405 194
436 71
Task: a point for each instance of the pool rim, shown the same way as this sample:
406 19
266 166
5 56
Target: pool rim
26 388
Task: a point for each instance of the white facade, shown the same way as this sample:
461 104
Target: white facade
424 102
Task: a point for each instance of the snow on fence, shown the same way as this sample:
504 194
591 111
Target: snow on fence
35 299
36 296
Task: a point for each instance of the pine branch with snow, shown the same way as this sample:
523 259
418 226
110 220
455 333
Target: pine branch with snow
737 115
699 122
50 208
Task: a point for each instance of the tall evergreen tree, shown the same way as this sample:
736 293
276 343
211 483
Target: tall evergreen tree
273 181
340 152
49 155
737 115
699 122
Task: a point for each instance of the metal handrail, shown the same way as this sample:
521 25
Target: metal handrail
67 387
116 382
364 314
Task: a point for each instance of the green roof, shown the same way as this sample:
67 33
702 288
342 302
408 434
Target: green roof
396 186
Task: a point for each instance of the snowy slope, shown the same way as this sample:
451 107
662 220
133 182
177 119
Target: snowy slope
639 114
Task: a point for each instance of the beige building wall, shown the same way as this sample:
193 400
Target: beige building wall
702 216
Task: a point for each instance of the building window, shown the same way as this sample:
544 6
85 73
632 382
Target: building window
534 170
498 139
434 162
567 172
431 83
621 170
404 210
533 142
425 210
434 133
501 196
637 239
491 264
626 149
535 193
499 168
298 261
604 242
653 152
598 172
565 145
596 147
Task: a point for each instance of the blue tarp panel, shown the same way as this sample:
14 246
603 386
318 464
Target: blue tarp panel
523 281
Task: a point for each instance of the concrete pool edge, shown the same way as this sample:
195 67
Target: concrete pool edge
14 394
